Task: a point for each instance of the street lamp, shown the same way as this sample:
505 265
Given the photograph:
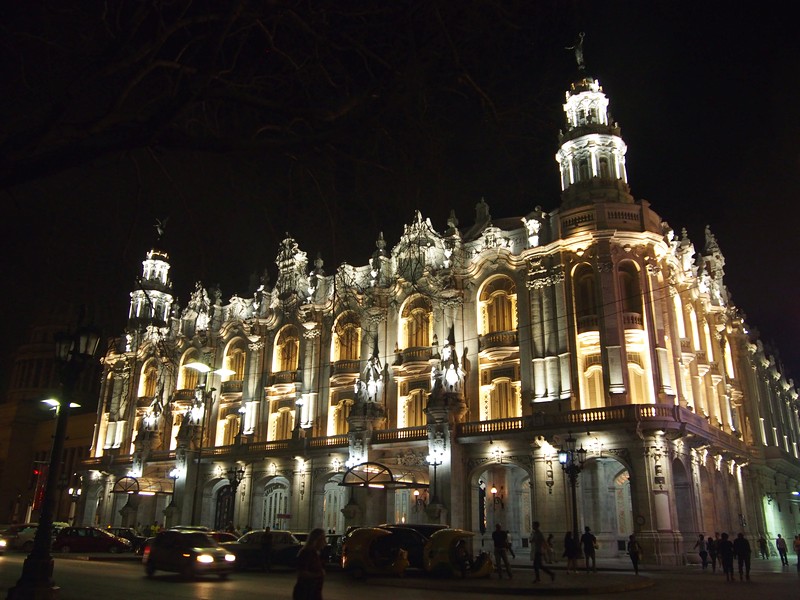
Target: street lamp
74 496
497 498
434 461
235 477
572 463
73 353
205 407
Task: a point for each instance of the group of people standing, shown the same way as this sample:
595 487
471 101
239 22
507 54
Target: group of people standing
724 550
542 551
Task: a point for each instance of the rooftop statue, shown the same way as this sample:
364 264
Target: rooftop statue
578 48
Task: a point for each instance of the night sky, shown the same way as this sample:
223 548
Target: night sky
334 124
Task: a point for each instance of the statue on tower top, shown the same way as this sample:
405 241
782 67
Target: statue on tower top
578 48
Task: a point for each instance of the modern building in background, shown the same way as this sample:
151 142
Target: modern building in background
27 424
438 381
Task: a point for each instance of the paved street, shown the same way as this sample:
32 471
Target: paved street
124 579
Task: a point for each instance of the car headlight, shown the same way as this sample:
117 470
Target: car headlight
3 543
205 558
230 557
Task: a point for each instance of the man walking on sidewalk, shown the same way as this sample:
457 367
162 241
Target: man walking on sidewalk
500 539
538 545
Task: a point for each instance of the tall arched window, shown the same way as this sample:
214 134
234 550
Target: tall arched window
585 295
284 423
417 322
498 308
505 403
594 388
347 338
415 408
149 380
334 501
188 378
679 321
276 502
287 350
235 361
629 288
342 412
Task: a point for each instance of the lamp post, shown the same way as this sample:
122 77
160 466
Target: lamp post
572 463
207 396
434 461
74 496
235 477
73 353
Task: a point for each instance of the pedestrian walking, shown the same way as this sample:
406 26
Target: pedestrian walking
538 544
549 551
711 547
725 553
741 550
310 572
700 544
635 552
500 540
571 552
589 544
762 547
797 550
780 544
266 550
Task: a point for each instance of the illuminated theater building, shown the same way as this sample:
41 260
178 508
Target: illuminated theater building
438 381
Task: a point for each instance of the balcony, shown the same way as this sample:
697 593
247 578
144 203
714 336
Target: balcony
232 386
498 339
284 377
343 367
632 320
183 395
418 354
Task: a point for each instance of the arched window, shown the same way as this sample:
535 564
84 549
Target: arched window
342 412
585 296
230 429
417 322
347 338
276 502
287 350
284 423
630 290
415 408
505 403
637 383
188 378
594 388
583 170
235 361
605 170
148 382
498 307
676 300
334 501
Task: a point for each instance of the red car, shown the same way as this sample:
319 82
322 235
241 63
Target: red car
89 539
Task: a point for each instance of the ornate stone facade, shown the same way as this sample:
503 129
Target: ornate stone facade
452 368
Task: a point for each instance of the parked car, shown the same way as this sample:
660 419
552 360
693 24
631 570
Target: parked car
223 536
20 537
249 553
89 539
190 553
129 534
410 540
332 552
